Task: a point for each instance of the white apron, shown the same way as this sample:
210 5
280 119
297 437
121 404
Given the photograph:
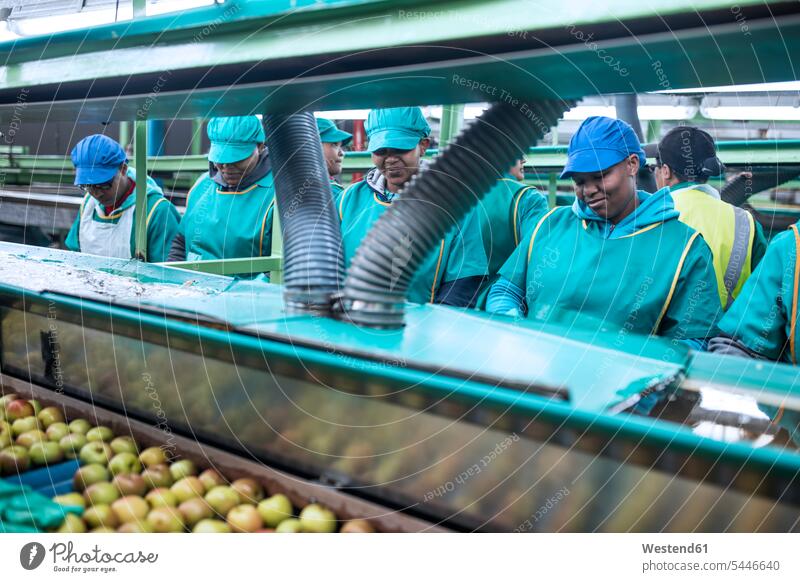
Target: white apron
105 238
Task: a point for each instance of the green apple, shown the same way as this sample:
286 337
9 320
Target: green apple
14 459
26 424
291 525
72 524
37 406
211 526
95 452
135 527
157 476
130 484
165 520
275 509
130 508
210 479
222 499
102 529
187 488
124 463
6 438
72 444
101 493
18 409
45 453
357 526
244 519
100 515
195 509
99 433
182 468
27 439
124 444
70 499
249 490
89 475
50 415
57 431
315 518
80 426
161 497
152 456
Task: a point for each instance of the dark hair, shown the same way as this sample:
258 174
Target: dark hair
690 153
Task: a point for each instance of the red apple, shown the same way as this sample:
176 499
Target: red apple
130 484
244 519
17 409
194 509
357 526
249 490
14 459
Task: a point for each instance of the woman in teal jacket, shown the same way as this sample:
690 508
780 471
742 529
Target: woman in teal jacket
618 257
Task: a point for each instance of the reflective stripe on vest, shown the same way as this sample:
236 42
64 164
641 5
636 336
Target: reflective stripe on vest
738 257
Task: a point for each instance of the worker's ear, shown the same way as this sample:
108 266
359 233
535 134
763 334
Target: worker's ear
123 169
261 147
424 144
633 165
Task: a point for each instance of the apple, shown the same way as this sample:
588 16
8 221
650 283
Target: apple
157 476
124 463
195 509
152 456
161 497
26 424
210 479
99 433
135 527
244 519
101 493
57 431
89 475
291 525
187 488
95 452
13 459
45 453
6 399
80 426
249 490
275 509
18 409
50 415
102 529
182 468
70 499
211 526
27 439
100 515
124 444
72 524
6 438
357 526
165 520
72 444
222 499
130 508
317 519
130 484
37 406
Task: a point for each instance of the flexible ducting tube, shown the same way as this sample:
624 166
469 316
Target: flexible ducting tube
436 199
313 264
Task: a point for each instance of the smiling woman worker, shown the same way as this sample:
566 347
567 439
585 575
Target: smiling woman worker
333 142
398 138
618 255
105 222
229 209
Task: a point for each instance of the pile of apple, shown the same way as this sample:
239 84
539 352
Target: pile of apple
124 490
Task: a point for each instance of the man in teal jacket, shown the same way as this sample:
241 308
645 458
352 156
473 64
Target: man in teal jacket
333 142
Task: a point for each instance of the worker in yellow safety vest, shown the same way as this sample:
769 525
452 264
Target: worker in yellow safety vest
686 158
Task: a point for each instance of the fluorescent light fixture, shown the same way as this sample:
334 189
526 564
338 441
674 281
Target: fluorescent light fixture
343 114
739 113
755 87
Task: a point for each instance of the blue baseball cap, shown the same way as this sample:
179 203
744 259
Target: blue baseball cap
329 133
399 128
599 143
234 139
97 159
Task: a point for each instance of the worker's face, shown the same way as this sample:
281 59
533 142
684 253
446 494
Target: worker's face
518 170
399 166
235 172
109 192
334 154
612 192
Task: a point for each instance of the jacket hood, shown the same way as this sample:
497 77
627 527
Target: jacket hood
653 208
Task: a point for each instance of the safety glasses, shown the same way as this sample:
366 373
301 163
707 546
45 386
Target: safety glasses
104 186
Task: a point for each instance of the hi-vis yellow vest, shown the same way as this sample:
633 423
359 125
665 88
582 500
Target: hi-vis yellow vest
728 230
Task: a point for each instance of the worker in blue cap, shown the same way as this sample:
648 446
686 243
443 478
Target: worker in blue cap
229 209
618 257
105 223
333 141
398 139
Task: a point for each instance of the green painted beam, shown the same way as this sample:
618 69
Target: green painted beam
242 266
452 120
140 216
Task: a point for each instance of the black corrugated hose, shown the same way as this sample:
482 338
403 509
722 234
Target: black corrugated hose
436 199
313 264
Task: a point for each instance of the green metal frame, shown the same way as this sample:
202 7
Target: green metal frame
241 266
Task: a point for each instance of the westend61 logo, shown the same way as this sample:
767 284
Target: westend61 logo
66 559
